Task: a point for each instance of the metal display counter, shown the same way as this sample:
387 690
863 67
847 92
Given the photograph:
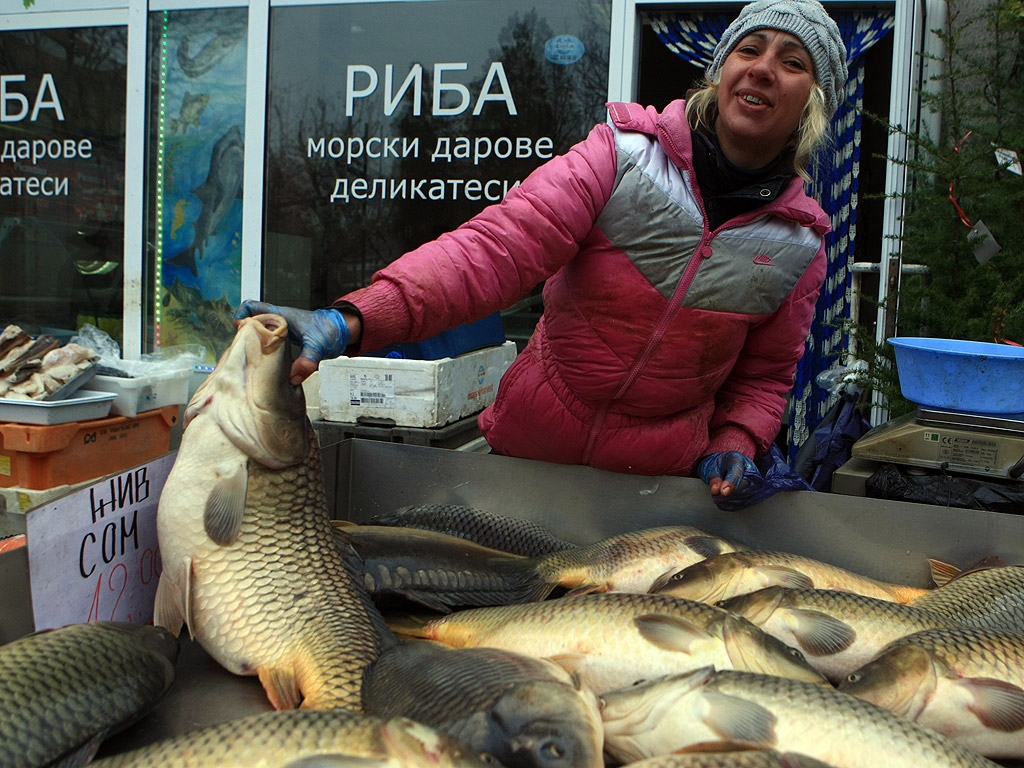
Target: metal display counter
883 539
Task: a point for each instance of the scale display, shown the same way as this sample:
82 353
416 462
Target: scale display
978 444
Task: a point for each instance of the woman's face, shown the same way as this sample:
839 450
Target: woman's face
764 85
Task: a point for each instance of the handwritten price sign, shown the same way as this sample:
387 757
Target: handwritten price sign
93 554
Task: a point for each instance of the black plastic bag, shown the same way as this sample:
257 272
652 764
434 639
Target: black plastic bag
943 489
831 444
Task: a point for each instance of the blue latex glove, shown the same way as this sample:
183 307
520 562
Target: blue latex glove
757 483
322 333
732 468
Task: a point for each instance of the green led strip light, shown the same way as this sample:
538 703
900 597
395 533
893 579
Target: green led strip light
159 238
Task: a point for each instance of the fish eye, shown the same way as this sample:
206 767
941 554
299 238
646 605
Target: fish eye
488 759
552 750
853 677
796 653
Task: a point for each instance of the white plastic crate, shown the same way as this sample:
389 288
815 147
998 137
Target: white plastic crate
412 393
144 393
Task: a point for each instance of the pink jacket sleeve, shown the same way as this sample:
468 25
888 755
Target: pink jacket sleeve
750 403
495 258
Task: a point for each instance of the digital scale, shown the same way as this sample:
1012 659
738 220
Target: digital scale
985 445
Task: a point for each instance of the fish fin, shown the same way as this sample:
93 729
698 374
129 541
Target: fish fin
173 603
717 746
587 589
780 575
225 506
705 546
660 582
997 704
796 760
408 625
281 686
427 601
343 524
187 594
738 720
336 761
571 663
167 612
942 573
81 755
540 592
670 633
820 634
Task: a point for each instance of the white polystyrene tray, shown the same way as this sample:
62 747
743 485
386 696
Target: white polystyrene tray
82 405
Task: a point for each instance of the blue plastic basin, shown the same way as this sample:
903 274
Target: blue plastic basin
972 376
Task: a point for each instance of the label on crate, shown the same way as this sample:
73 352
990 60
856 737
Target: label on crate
371 389
93 553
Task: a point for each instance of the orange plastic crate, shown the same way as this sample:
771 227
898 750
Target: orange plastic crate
40 457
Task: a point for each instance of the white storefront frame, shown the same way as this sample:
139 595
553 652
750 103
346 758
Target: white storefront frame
910 38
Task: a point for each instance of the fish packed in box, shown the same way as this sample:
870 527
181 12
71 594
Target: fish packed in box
40 368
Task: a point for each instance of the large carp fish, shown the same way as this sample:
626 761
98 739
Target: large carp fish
249 560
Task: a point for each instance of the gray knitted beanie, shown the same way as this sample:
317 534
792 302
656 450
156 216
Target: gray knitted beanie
806 20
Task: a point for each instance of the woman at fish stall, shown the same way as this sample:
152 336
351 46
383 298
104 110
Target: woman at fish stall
682 261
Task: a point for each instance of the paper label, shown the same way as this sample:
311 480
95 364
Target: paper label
985 246
93 554
371 389
5 465
1004 156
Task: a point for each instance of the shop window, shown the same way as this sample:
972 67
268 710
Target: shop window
62 139
359 96
195 153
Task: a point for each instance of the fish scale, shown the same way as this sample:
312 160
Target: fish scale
965 682
771 712
337 737
250 563
991 598
61 689
612 639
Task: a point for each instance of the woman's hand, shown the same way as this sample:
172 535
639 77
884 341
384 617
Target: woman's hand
727 471
323 333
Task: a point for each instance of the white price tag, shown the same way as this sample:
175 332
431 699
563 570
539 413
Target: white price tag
93 554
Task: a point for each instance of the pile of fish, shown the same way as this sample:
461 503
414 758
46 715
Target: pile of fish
447 636
35 368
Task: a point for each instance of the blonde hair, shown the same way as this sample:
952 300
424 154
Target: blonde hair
811 134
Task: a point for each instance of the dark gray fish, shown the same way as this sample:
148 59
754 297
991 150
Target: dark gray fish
435 570
527 712
211 54
63 691
217 194
990 598
509 534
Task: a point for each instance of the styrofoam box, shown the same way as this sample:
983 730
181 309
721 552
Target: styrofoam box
145 393
412 393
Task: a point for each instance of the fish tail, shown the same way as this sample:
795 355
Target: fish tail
528 582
